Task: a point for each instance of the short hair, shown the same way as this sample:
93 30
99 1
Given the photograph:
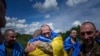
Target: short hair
72 30
6 31
45 25
4 2
36 33
89 23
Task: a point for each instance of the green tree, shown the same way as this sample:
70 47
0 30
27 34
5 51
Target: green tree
23 39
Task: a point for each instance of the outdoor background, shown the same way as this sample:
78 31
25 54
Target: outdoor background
25 16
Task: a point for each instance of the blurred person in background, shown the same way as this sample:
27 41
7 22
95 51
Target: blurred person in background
72 44
29 46
12 48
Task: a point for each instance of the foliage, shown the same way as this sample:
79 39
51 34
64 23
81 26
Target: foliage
23 39
67 33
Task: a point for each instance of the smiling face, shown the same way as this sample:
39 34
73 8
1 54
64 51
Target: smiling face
10 37
88 33
73 34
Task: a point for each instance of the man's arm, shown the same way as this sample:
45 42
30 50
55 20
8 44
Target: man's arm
46 47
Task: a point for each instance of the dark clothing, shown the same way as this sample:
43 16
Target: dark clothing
98 39
9 51
95 51
16 51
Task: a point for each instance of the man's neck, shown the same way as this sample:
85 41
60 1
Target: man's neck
73 40
9 45
88 48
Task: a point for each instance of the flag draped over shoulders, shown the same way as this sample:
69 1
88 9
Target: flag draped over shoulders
68 45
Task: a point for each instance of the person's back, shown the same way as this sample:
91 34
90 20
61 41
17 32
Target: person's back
34 38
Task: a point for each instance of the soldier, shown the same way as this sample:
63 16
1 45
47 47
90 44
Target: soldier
90 46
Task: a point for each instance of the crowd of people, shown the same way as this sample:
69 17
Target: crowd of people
46 42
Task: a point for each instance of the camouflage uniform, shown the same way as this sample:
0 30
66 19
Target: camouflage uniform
95 51
46 47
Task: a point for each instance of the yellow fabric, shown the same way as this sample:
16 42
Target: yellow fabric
65 53
57 45
37 52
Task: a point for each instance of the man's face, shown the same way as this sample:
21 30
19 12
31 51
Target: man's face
10 37
2 15
73 34
46 31
88 34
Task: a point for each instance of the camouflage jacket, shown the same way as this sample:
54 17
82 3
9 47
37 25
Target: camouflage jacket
95 51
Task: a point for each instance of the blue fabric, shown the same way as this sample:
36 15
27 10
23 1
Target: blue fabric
17 50
68 44
33 39
44 39
2 50
98 39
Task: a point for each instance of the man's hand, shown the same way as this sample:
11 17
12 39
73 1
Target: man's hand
31 46
35 43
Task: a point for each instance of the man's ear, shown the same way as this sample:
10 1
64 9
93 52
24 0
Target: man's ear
50 30
41 33
97 32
